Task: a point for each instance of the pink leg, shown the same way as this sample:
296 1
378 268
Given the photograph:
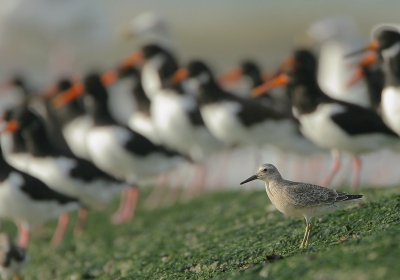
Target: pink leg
198 181
58 236
335 168
23 236
357 171
131 203
117 217
154 199
82 217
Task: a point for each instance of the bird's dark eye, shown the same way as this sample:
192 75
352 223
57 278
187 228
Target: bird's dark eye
265 170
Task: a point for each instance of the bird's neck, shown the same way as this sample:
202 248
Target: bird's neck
391 67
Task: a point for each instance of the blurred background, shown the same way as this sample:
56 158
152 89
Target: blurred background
44 38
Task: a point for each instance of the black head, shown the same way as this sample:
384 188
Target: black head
94 86
250 67
251 70
304 67
168 64
130 72
305 60
197 69
64 84
152 50
18 80
387 38
26 117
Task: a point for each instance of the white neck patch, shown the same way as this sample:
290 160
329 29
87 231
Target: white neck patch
392 51
203 78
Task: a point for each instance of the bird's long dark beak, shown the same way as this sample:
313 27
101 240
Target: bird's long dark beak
252 178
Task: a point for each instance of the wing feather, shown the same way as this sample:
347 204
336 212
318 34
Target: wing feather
308 195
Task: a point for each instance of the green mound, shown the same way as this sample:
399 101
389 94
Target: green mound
228 235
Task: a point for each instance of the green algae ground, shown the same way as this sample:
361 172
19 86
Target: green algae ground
228 235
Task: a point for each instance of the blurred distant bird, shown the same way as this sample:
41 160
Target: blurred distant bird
12 258
335 36
29 202
330 123
387 45
300 199
151 27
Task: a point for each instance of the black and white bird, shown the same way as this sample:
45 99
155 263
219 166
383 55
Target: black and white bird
29 202
370 69
140 120
243 121
174 110
115 148
331 123
13 92
73 122
387 45
241 79
66 174
13 258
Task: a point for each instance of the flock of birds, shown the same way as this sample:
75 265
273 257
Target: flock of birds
67 149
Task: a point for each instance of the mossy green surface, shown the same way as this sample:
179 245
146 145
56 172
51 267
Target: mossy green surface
228 235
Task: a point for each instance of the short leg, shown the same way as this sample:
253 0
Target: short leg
130 208
308 234
335 168
357 171
23 236
82 217
305 237
58 236
117 217
155 197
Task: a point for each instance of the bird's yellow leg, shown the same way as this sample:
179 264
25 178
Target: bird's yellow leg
308 233
303 243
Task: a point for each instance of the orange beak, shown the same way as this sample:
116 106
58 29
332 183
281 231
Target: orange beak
11 126
373 46
369 59
287 64
278 81
179 76
132 60
109 77
68 96
232 76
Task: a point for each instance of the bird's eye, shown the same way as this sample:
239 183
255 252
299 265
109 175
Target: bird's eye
264 170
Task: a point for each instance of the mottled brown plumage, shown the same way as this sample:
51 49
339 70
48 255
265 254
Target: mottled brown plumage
300 199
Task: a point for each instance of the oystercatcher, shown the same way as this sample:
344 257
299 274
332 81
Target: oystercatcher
114 148
67 174
328 122
13 258
29 202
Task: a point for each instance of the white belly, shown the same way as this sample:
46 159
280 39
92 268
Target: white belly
144 125
19 207
56 174
391 108
107 152
75 135
221 120
320 129
171 122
